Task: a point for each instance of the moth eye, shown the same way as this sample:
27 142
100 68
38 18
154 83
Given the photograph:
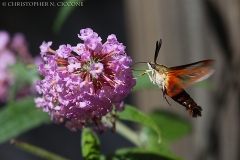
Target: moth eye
153 66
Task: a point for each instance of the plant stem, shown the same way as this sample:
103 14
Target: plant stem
126 132
36 150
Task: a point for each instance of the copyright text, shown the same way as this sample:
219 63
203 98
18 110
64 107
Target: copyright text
42 4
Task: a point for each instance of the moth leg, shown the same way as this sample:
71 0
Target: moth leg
164 96
146 72
142 74
150 77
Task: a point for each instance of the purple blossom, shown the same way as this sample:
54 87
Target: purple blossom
120 106
20 46
18 41
38 60
4 39
7 59
120 49
73 64
79 49
10 48
93 43
64 51
112 38
45 47
85 33
108 48
85 56
82 87
96 68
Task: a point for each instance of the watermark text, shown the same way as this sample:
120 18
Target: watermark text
42 4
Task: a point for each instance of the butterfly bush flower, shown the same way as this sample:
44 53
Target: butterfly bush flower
82 83
7 59
14 50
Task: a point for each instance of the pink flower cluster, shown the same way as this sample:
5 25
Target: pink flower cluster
82 83
7 58
12 50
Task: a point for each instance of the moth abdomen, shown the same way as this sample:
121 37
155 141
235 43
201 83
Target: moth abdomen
185 100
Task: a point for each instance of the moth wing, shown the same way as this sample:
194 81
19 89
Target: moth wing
181 76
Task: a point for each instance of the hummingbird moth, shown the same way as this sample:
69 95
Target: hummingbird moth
172 80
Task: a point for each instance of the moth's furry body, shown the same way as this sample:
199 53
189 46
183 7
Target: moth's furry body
158 75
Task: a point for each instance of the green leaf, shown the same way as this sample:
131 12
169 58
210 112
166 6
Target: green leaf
151 140
130 113
20 117
37 151
172 126
139 154
90 145
63 14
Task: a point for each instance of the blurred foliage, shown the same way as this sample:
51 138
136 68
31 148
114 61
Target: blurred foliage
139 154
24 76
172 126
19 117
20 114
131 113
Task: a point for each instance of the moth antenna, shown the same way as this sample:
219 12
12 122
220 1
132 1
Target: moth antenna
139 62
137 70
158 47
